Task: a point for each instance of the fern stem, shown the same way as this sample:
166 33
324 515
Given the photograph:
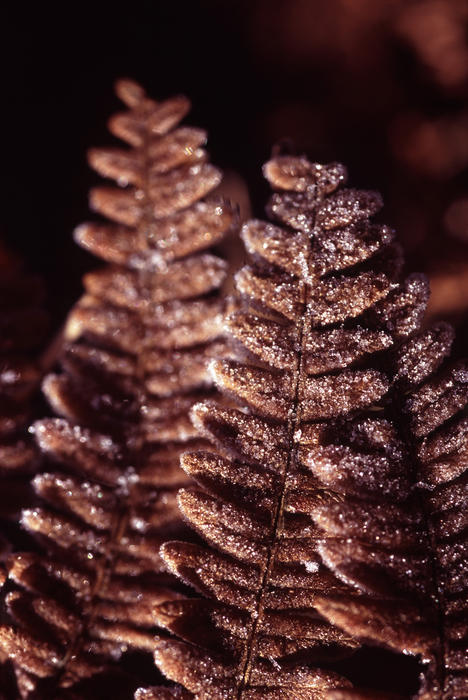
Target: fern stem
294 422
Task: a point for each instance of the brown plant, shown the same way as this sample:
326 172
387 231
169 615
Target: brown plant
405 550
134 364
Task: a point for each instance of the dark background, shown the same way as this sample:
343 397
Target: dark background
379 85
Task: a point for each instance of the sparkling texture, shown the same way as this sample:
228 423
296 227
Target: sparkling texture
139 342
338 485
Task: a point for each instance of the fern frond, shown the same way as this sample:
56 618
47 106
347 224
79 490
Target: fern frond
405 551
138 343
319 307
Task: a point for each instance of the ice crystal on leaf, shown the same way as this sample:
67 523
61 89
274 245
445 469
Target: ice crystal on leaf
135 362
320 308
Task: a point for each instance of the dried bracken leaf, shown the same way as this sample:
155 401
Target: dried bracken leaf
139 344
398 534
319 308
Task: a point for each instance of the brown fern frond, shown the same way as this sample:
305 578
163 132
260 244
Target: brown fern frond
318 307
406 551
135 364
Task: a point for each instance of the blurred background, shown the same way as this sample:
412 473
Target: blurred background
380 84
